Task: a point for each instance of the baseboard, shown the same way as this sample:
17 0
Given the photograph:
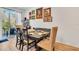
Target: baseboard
65 47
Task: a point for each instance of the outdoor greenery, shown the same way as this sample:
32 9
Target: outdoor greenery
5 25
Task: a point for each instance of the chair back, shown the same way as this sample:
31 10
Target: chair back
25 35
53 34
18 33
19 26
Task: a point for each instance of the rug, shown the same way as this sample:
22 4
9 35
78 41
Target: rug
3 39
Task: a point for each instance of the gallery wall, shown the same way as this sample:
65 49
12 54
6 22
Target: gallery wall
38 22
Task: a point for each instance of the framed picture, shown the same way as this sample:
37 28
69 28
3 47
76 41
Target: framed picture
33 17
39 13
30 15
33 12
47 19
47 15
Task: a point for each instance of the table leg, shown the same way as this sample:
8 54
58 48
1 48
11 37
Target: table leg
35 44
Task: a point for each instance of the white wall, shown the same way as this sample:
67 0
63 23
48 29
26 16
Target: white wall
19 22
70 25
67 20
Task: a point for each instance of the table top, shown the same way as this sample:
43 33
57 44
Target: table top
38 34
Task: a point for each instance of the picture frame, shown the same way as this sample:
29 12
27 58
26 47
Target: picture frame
33 17
30 15
47 15
39 13
33 12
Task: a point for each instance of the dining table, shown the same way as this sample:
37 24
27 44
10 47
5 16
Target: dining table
37 35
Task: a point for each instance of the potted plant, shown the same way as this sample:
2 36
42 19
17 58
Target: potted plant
6 26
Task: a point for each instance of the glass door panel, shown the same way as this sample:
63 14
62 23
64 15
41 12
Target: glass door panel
6 22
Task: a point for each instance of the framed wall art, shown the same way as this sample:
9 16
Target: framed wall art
30 15
33 12
33 17
39 13
47 15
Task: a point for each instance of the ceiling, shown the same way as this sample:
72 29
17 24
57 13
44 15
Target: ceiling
19 9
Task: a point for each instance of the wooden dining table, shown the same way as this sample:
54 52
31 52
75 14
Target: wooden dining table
37 35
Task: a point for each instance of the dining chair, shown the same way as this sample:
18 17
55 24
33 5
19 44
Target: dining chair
19 26
26 41
18 37
48 44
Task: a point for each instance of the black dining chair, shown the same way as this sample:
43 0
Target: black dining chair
26 41
18 37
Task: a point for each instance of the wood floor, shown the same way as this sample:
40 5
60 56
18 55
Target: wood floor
65 47
10 46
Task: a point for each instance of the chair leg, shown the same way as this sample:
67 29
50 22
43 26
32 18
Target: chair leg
22 47
20 44
27 47
35 45
16 42
53 48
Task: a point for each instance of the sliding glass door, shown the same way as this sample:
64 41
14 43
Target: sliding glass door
8 20
1 17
